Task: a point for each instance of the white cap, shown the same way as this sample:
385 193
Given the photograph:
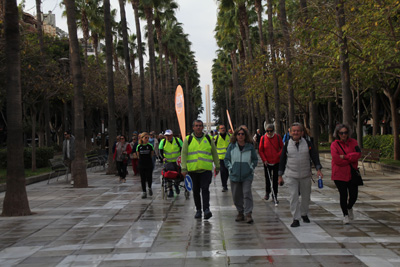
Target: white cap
168 132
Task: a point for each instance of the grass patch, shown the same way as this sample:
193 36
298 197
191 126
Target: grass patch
391 162
28 173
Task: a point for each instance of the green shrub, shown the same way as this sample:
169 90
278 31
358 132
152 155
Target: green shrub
43 154
384 143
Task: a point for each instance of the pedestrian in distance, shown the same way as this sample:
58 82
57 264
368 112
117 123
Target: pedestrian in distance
121 156
170 149
69 151
345 154
145 152
257 138
154 142
241 160
198 155
270 150
133 156
222 141
295 166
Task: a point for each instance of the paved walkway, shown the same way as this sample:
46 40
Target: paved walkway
108 224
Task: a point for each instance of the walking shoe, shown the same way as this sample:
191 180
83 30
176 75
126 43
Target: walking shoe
198 214
72 182
266 197
207 214
346 219
305 219
351 214
177 190
171 193
224 189
249 219
240 217
295 223
150 192
276 201
144 195
124 180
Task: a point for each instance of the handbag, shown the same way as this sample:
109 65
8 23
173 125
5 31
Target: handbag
356 178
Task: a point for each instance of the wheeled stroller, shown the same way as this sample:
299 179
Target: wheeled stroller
171 176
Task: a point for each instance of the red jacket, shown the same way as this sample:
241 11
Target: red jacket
341 167
270 149
128 150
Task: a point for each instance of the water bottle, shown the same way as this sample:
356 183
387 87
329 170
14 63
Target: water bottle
320 183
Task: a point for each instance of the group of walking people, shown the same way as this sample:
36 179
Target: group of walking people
235 157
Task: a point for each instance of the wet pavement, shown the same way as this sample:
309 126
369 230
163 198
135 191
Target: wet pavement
109 224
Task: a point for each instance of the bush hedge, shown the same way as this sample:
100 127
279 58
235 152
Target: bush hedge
384 143
43 154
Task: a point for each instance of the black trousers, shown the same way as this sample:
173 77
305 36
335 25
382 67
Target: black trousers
146 175
348 195
201 183
121 167
224 173
273 172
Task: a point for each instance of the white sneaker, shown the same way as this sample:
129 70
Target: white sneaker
72 182
144 195
351 214
346 220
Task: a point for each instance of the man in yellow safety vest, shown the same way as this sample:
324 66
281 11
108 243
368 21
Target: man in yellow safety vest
222 143
198 155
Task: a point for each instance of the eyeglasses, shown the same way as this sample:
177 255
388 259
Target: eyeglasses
270 131
146 137
342 133
240 133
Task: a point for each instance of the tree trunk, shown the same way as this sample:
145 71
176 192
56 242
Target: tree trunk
131 120
78 164
15 201
259 9
359 122
347 101
153 84
330 122
277 101
135 6
235 81
288 58
33 139
112 126
393 98
375 112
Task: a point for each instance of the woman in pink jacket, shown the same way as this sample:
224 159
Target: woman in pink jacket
345 152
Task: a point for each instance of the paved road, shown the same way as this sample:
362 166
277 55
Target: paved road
108 224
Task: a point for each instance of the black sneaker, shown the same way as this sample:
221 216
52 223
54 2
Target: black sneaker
266 197
305 219
198 214
207 214
224 189
295 223
171 193
177 190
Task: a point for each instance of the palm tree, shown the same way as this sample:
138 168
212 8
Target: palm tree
127 66
148 6
135 6
16 200
112 126
271 38
79 164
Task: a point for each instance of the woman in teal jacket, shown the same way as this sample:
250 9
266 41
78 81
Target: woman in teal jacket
241 160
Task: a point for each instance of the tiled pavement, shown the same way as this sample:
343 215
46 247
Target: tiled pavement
108 224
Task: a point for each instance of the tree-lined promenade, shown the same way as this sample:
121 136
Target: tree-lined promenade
278 61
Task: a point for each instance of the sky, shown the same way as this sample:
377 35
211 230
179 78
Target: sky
197 16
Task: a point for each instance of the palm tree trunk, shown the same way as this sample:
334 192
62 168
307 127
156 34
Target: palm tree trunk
135 6
131 120
288 58
112 126
277 101
33 139
235 86
375 112
79 164
15 202
153 84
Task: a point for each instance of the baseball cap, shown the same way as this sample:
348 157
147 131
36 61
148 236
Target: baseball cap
168 132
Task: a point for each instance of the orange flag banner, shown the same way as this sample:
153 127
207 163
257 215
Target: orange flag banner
229 119
180 110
